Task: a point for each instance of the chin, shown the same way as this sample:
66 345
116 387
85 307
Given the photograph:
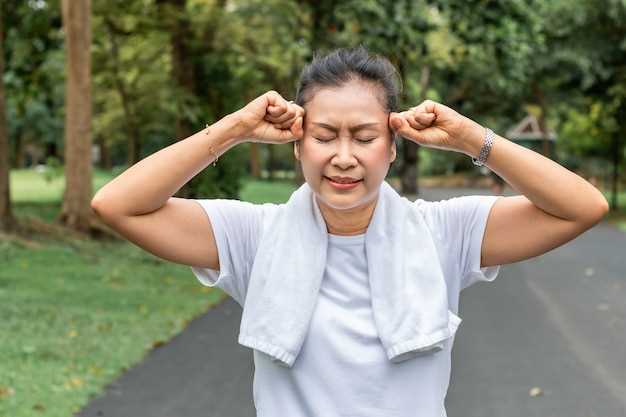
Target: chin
339 201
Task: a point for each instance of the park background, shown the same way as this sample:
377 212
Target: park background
88 89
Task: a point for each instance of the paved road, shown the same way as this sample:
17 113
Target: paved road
556 322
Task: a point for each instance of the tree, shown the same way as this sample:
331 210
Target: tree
590 54
7 222
76 211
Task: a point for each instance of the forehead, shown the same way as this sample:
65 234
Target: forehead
352 101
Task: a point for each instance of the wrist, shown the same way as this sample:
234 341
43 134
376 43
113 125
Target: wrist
473 139
230 128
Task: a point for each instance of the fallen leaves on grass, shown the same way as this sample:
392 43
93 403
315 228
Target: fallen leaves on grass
6 391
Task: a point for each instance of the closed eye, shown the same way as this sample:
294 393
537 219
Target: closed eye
328 140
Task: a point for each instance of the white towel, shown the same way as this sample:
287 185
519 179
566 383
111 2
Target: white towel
409 296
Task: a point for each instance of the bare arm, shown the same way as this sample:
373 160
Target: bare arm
556 206
147 185
139 205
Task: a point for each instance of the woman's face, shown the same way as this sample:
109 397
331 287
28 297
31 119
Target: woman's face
346 133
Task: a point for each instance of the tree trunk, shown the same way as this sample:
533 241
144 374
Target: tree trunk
20 155
76 211
51 150
179 26
176 22
105 154
7 222
255 169
271 162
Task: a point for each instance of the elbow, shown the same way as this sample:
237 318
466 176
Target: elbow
603 207
600 211
98 205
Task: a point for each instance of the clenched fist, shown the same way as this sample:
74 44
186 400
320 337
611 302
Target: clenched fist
270 118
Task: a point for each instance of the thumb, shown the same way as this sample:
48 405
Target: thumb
296 128
397 122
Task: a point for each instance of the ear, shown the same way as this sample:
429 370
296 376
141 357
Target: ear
393 148
296 149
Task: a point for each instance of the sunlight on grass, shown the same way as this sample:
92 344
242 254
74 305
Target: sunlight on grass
28 185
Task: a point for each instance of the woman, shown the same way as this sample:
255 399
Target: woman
344 124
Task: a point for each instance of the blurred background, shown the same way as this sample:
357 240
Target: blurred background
90 88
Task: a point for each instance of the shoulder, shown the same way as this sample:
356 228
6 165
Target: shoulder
453 215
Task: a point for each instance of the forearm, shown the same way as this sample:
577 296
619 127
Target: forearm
548 185
147 185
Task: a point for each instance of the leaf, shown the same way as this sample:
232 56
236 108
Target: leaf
6 391
73 382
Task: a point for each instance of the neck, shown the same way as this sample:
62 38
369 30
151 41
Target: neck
348 222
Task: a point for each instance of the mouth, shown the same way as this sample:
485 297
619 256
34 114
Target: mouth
344 184
343 181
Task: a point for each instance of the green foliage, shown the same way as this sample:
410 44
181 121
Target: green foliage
486 59
222 180
53 169
34 71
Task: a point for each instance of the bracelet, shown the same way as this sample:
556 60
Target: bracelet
484 151
211 147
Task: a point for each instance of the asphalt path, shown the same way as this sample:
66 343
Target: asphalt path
546 338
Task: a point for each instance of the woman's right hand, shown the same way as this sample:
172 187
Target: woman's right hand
270 118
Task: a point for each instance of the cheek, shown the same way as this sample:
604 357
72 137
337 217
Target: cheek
317 155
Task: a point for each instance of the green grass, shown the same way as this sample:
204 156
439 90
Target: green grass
77 313
30 186
277 191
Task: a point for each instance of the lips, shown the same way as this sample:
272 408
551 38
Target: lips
343 180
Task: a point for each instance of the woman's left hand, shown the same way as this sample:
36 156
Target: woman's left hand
434 125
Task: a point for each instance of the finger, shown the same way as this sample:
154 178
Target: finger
276 105
299 109
410 118
401 126
419 121
276 110
395 121
399 123
296 128
287 124
288 115
425 119
426 106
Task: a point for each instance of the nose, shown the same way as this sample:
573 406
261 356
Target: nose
344 156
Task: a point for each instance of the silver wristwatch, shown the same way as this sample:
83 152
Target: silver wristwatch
484 151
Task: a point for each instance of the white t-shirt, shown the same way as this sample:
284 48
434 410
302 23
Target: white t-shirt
342 369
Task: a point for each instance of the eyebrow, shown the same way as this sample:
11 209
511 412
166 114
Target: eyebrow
351 129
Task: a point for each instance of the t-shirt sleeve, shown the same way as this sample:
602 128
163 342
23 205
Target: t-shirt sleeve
236 226
459 223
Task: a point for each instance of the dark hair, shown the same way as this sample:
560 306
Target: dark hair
345 64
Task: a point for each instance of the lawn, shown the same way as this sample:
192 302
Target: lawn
77 313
